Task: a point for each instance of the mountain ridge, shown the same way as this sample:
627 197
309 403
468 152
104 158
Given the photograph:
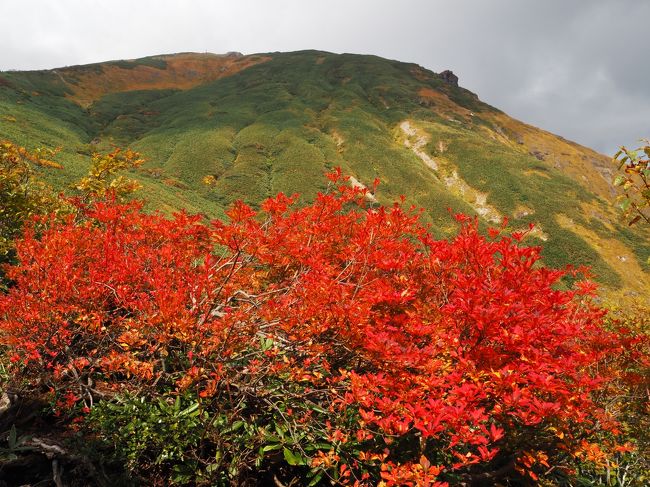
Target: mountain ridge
270 122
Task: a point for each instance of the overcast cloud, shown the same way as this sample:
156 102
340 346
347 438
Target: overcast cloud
580 69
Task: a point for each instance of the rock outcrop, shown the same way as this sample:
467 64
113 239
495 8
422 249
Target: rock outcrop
449 77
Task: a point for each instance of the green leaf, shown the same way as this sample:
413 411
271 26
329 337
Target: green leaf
317 478
189 409
293 459
268 448
182 473
619 180
279 430
318 446
318 409
625 204
235 426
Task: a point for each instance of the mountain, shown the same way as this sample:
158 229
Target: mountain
265 123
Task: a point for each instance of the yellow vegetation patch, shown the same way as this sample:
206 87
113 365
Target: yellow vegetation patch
616 254
535 172
593 170
607 215
183 71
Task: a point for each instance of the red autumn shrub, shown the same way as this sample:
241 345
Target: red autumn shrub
405 359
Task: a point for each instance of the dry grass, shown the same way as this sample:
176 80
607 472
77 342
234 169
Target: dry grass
592 170
183 71
443 105
620 258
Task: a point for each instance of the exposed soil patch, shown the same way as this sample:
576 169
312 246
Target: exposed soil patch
416 139
338 140
355 183
522 212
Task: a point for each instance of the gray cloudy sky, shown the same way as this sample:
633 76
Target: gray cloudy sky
579 68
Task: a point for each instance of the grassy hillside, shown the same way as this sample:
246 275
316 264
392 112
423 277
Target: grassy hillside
276 122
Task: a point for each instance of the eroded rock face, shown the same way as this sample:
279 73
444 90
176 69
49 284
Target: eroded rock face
448 76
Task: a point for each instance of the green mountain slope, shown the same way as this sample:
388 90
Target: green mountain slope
277 122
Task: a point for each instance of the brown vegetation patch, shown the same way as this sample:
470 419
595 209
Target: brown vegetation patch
443 105
183 71
420 73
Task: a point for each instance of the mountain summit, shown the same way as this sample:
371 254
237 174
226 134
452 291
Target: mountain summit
263 123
